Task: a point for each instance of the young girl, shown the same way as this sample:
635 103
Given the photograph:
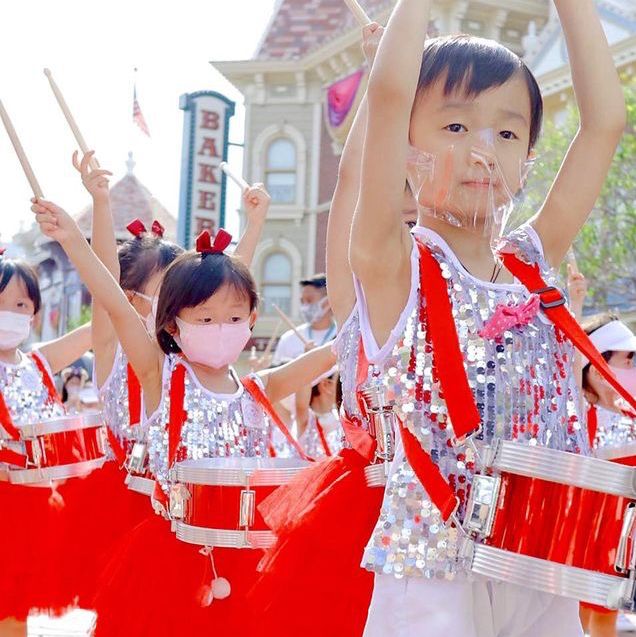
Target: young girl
471 110
32 554
197 408
611 423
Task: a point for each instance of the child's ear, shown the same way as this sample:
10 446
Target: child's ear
252 319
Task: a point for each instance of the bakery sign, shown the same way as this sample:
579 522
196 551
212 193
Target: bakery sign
205 143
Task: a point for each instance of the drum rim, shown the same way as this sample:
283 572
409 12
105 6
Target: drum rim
223 538
140 484
588 586
44 475
565 468
74 422
615 453
192 472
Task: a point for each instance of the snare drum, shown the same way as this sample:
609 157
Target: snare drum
58 449
556 522
139 478
214 501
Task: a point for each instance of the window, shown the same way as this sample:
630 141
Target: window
280 175
276 283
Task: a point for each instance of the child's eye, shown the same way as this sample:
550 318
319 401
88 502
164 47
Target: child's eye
206 320
456 128
236 319
21 304
508 134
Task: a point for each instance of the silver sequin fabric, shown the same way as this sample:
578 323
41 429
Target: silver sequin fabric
25 394
216 426
346 349
524 390
114 398
614 430
332 430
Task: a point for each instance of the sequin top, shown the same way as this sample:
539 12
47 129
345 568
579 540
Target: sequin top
25 394
614 429
217 425
523 388
332 431
113 395
346 348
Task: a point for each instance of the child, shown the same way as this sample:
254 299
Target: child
323 436
32 554
205 311
472 111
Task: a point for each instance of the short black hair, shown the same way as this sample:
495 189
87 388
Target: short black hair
474 65
190 280
141 257
10 268
317 281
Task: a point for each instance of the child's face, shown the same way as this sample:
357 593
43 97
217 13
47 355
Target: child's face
226 305
15 298
479 145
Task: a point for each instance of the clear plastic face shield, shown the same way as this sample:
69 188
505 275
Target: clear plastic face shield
471 184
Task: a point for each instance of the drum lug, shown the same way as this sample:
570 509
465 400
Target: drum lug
137 459
382 420
482 504
179 496
247 509
626 552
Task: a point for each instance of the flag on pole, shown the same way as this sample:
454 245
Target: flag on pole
138 116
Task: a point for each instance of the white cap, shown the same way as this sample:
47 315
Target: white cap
615 336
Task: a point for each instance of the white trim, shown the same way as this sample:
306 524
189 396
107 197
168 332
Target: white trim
270 246
260 144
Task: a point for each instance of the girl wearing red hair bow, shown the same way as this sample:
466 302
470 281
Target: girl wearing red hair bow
197 408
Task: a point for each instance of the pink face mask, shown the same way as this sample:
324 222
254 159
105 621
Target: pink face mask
214 344
627 378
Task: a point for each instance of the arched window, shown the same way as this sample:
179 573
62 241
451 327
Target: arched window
276 283
280 172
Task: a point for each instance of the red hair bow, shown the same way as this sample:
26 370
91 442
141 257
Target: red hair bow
137 228
2 251
205 245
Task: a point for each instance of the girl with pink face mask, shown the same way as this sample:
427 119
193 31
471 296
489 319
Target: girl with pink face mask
31 551
205 311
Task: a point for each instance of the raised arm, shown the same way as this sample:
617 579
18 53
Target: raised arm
105 247
339 276
65 350
380 246
256 203
297 374
141 350
602 112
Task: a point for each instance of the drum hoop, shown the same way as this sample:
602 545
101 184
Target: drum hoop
222 537
60 425
235 477
566 468
44 475
375 475
139 484
614 453
592 587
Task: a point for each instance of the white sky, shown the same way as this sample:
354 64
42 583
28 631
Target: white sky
92 50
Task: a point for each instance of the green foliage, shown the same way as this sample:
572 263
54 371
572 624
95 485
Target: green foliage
605 246
82 319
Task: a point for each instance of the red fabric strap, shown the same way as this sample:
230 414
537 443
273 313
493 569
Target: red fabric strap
116 447
592 424
13 457
46 377
323 440
553 305
134 396
6 422
259 396
178 414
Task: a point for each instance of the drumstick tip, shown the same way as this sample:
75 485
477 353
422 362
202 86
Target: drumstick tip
47 72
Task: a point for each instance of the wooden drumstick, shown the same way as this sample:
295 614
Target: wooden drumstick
19 151
272 338
290 323
69 118
572 261
237 179
359 13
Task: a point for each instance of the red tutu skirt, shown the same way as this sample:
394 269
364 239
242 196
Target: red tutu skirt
323 520
31 563
157 585
100 510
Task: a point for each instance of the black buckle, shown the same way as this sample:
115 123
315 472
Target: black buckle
548 305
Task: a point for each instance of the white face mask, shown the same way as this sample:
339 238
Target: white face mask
14 329
312 312
151 319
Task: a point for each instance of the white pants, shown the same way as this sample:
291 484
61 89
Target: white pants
414 607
